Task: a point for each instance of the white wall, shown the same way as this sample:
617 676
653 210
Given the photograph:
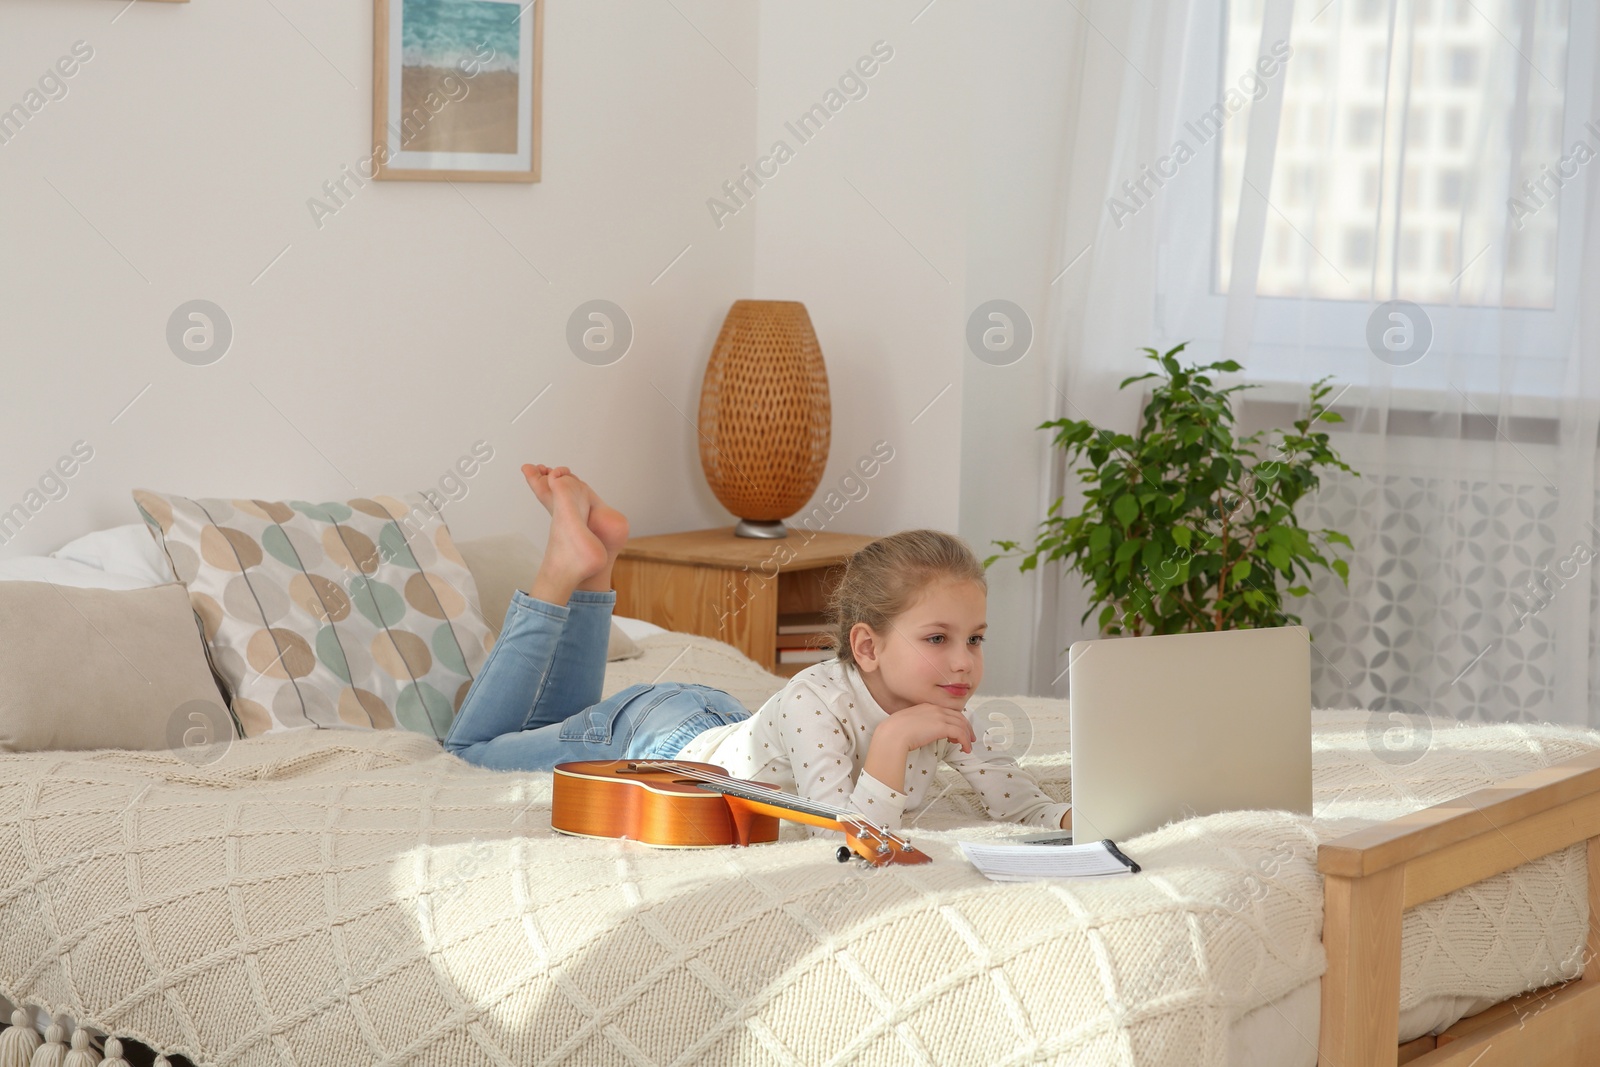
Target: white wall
931 195
380 347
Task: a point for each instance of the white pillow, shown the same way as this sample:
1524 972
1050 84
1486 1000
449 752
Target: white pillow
67 572
123 550
636 628
127 557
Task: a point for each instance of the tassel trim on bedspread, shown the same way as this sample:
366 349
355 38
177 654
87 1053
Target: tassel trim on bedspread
83 1053
17 1044
21 1046
53 1053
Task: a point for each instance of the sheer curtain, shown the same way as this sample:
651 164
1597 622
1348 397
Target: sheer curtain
1397 195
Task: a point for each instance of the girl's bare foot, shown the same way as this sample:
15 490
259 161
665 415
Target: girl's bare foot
574 555
538 476
604 521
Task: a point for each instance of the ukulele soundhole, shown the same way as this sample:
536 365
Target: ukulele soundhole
640 768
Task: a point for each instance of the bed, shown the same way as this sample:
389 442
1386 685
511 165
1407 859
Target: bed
340 897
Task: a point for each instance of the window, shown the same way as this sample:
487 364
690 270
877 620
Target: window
1450 188
1516 250
1381 188
1417 127
1358 249
1411 191
1316 124
1305 185
1364 122
1404 154
1313 58
1377 65
1410 250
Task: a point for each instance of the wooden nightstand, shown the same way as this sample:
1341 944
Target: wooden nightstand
734 589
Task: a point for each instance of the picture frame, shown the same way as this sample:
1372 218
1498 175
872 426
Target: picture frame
456 90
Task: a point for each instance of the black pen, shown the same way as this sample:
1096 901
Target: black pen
1111 847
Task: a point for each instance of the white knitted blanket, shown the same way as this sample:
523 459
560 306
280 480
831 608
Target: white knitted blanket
319 898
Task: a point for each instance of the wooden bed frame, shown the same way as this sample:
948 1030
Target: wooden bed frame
1371 876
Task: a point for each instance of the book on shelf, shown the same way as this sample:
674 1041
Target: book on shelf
804 655
803 622
811 640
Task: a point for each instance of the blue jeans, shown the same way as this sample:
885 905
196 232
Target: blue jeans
536 702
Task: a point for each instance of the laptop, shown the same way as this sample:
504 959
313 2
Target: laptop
1164 728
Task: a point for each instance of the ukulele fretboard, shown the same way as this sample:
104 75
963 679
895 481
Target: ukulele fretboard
766 796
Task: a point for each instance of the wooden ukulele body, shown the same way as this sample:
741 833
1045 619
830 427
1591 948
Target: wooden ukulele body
603 798
681 804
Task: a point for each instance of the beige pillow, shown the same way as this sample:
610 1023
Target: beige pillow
103 668
503 563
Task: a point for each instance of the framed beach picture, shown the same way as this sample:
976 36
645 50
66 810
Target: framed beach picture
455 89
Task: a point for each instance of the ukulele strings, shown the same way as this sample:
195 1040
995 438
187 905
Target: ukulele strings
786 800
820 807
763 790
838 814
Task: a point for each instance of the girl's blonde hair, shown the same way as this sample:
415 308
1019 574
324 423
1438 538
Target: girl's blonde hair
882 579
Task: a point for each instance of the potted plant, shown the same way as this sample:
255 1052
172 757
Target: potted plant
1186 526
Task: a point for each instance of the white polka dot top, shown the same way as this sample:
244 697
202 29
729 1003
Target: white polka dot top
812 737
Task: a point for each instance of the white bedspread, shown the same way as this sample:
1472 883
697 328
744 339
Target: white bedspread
339 898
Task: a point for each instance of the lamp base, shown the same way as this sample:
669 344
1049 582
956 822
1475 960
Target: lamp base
768 528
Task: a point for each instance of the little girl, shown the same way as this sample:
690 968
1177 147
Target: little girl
864 730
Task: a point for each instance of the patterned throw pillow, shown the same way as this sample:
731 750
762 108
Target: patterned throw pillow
359 614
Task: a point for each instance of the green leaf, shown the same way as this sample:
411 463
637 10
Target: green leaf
1181 535
1342 569
1126 508
1240 572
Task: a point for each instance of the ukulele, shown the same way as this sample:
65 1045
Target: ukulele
679 804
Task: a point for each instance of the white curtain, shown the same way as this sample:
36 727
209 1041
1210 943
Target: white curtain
1398 195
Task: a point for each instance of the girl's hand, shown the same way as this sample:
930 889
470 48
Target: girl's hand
923 724
908 729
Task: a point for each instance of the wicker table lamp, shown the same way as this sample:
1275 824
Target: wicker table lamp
764 414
